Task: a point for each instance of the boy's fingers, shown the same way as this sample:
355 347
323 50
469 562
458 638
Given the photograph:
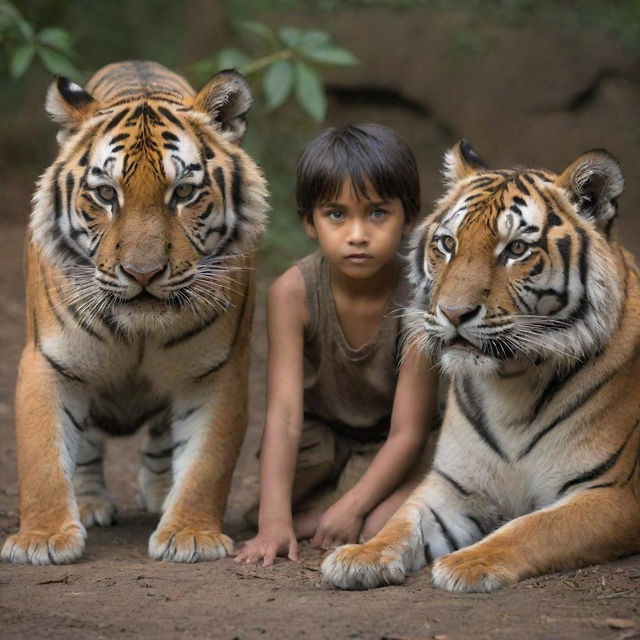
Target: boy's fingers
318 537
269 555
293 550
325 543
250 556
240 555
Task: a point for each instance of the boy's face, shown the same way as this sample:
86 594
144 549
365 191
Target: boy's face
358 236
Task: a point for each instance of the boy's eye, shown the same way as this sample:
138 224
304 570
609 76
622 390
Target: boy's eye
378 214
336 215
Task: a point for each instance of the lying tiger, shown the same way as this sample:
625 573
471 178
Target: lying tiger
533 309
139 304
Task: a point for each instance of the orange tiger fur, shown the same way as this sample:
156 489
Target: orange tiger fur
139 303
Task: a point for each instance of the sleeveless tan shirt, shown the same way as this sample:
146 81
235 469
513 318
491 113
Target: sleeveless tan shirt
350 389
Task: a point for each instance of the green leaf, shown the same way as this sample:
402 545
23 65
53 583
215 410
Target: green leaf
313 39
56 38
204 69
232 58
260 30
277 83
10 17
328 54
21 59
310 92
291 36
57 63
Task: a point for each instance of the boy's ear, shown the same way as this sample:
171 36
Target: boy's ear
310 228
408 228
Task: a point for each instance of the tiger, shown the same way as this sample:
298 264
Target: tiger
140 291
531 307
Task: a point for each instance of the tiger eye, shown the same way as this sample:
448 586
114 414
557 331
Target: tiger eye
183 191
106 192
517 248
449 243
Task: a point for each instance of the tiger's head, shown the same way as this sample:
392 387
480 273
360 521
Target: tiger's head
516 266
150 198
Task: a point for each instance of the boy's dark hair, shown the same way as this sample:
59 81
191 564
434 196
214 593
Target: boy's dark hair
361 152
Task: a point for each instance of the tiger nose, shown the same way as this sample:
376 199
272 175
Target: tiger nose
458 315
141 274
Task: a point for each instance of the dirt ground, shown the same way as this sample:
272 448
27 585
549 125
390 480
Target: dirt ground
117 591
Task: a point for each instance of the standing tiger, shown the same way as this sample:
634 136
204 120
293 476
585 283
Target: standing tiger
533 309
140 293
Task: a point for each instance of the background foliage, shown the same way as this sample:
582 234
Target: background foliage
288 65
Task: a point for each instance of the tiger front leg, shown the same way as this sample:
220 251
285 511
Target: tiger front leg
206 446
432 521
592 527
94 501
47 431
155 476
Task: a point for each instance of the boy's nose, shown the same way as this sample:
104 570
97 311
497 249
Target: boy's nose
358 234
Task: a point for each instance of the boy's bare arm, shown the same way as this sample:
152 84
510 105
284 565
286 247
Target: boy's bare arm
286 317
414 406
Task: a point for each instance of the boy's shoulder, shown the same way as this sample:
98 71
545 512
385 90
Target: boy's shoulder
287 296
289 286
292 281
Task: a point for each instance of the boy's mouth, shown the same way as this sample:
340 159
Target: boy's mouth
358 258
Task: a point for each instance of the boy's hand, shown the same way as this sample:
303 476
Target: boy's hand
271 539
340 524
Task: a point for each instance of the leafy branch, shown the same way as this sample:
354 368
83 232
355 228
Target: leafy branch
53 46
287 65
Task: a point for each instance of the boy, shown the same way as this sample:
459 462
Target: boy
346 423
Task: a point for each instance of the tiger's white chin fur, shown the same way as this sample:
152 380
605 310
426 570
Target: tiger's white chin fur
154 319
456 361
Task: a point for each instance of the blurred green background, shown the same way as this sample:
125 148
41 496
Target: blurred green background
530 82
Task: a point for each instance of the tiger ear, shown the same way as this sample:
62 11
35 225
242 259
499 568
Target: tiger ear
460 162
594 182
70 105
226 98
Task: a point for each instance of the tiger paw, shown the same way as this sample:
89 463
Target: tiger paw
35 547
472 570
189 544
97 511
363 566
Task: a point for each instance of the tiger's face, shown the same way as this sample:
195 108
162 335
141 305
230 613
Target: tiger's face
150 199
515 268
